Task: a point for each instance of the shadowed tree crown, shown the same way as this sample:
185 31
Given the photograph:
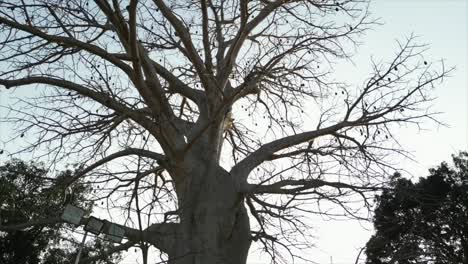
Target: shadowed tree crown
28 193
208 125
423 222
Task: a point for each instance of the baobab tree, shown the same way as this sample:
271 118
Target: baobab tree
204 126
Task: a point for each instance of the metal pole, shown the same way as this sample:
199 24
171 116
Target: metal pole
77 260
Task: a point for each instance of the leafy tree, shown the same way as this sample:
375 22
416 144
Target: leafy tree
26 193
208 125
95 251
423 222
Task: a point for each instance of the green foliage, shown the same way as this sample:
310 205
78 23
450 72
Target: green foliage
423 222
26 194
67 255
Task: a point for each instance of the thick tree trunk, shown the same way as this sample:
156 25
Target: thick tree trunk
209 243
214 222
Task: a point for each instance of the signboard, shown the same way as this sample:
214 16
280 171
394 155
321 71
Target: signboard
72 214
114 232
94 225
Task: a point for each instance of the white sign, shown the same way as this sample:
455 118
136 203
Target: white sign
115 233
72 214
94 225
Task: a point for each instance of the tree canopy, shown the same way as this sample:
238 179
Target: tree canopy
27 194
423 222
210 125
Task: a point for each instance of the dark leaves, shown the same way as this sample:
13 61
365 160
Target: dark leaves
430 214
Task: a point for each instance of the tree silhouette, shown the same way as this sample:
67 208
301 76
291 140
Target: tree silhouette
212 124
423 222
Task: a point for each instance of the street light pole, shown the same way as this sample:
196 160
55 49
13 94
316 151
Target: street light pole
77 260
74 215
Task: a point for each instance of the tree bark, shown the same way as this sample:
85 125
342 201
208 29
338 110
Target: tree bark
214 224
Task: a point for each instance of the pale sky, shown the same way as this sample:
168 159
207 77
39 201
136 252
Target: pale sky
444 25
